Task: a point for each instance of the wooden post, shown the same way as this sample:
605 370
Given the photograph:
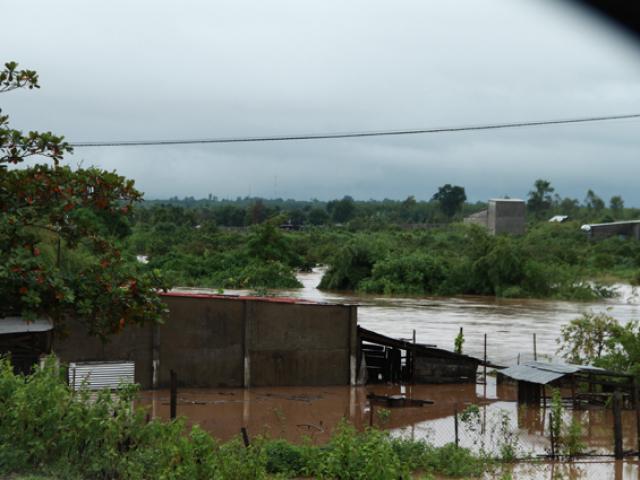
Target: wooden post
617 425
245 437
636 408
455 425
551 436
535 349
414 336
485 359
173 394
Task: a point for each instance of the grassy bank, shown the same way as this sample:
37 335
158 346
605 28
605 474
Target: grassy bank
48 430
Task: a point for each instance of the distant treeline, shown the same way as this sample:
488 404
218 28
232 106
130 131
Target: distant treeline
447 205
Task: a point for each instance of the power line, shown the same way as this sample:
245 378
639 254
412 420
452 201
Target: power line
325 136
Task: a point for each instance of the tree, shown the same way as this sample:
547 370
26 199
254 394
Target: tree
450 198
59 234
593 202
569 206
318 216
599 339
342 210
616 204
540 199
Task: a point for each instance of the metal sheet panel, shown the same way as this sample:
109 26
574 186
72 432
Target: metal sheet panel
20 325
543 373
101 375
531 374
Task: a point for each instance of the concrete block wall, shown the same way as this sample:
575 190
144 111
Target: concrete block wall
223 341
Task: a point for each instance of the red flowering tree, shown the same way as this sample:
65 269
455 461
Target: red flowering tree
59 234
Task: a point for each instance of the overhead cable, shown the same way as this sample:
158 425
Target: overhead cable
326 136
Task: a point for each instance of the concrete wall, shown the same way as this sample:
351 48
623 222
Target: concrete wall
216 341
203 341
506 216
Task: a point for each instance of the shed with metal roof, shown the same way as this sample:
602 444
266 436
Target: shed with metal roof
25 341
532 377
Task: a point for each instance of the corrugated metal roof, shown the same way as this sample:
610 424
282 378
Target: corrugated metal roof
620 222
19 325
543 373
526 373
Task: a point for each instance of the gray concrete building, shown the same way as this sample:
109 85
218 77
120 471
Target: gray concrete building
506 215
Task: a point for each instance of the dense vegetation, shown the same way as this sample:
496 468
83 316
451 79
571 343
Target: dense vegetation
47 429
551 260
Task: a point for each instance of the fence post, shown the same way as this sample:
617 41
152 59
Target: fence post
245 436
535 349
371 413
455 425
485 359
617 425
636 408
173 395
552 436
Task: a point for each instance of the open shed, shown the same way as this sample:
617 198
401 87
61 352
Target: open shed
533 377
25 341
388 359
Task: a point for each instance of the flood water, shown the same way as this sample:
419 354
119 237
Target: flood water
508 323
296 413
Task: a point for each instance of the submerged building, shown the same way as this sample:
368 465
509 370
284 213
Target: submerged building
243 341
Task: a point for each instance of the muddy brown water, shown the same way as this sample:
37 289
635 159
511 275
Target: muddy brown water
296 413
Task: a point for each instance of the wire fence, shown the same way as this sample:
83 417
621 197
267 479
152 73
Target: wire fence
504 430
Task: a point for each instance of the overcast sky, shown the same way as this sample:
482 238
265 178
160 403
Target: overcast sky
131 70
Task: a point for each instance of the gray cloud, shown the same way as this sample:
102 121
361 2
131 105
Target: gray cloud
149 70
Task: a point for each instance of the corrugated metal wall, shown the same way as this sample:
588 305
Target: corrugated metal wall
101 375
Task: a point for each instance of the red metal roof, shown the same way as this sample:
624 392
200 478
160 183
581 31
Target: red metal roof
301 301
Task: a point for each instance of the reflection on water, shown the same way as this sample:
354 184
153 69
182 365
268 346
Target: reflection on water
297 412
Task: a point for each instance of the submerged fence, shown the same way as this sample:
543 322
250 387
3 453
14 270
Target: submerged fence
510 432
